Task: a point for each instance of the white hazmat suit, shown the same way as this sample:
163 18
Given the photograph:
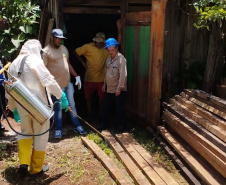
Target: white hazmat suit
36 77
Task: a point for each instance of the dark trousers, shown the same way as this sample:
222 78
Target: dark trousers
2 93
119 103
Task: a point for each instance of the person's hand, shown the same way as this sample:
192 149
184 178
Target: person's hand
117 92
16 116
104 88
78 82
119 24
64 102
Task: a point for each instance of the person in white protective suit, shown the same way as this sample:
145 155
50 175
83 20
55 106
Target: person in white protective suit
36 77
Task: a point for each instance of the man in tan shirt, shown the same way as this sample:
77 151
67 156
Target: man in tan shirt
56 59
114 84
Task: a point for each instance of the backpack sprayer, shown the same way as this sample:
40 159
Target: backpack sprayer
32 104
23 96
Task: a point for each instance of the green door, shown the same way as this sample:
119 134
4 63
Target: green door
137 49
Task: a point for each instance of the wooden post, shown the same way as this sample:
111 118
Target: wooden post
60 13
50 27
124 9
44 16
156 61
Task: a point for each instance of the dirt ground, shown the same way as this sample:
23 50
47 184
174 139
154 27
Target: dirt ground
69 160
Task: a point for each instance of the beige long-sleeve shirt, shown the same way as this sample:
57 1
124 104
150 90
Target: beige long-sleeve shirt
116 74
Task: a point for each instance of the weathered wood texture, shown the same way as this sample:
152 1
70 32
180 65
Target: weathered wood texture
116 173
156 61
137 46
131 167
104 6
153 171
199 169
196 119
183 43
177 161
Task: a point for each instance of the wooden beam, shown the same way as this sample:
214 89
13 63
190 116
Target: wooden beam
91 10
124 10
156 61
50 27
43 23
104 2
130 166
208 107
204 113
139 1
191 110
115 172
177 161
149 172
91 2
205 148
60 13
149 159
137 18
199 133
207 98
204 174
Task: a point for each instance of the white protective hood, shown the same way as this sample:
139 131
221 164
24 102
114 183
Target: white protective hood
31 47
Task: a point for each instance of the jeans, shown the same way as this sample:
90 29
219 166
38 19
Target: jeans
119 102
69 91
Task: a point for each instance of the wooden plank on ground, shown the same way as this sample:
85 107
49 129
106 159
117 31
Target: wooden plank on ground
202 146
130 166
184 113
111 167
151 175
210 121
204 175
149 159
179 164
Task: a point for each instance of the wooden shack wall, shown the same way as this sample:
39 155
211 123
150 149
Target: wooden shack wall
183 43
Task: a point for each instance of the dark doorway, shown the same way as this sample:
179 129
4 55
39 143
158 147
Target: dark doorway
81 29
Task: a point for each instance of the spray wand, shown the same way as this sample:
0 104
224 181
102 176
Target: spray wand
101 135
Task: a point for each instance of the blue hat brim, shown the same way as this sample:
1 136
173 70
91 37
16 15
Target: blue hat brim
111 46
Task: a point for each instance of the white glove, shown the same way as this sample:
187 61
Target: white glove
78 82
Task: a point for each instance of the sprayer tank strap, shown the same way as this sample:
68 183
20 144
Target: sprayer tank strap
21 66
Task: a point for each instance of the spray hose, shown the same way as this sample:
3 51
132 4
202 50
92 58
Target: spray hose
20 132
86 123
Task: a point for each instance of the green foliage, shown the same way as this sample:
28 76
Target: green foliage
18 22
193 75
209 11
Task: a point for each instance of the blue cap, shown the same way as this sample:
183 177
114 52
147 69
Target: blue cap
58 33
110 42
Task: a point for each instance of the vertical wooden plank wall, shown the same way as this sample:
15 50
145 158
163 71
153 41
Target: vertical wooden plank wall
142 70
156 61
129 54
137 49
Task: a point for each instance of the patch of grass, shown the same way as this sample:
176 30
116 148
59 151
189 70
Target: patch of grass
100 142
145 139
103 145
3 152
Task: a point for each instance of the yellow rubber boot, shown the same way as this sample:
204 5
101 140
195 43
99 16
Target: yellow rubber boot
25 146
37 161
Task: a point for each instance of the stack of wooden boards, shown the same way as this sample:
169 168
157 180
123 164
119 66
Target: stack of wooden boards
195 126
141 168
